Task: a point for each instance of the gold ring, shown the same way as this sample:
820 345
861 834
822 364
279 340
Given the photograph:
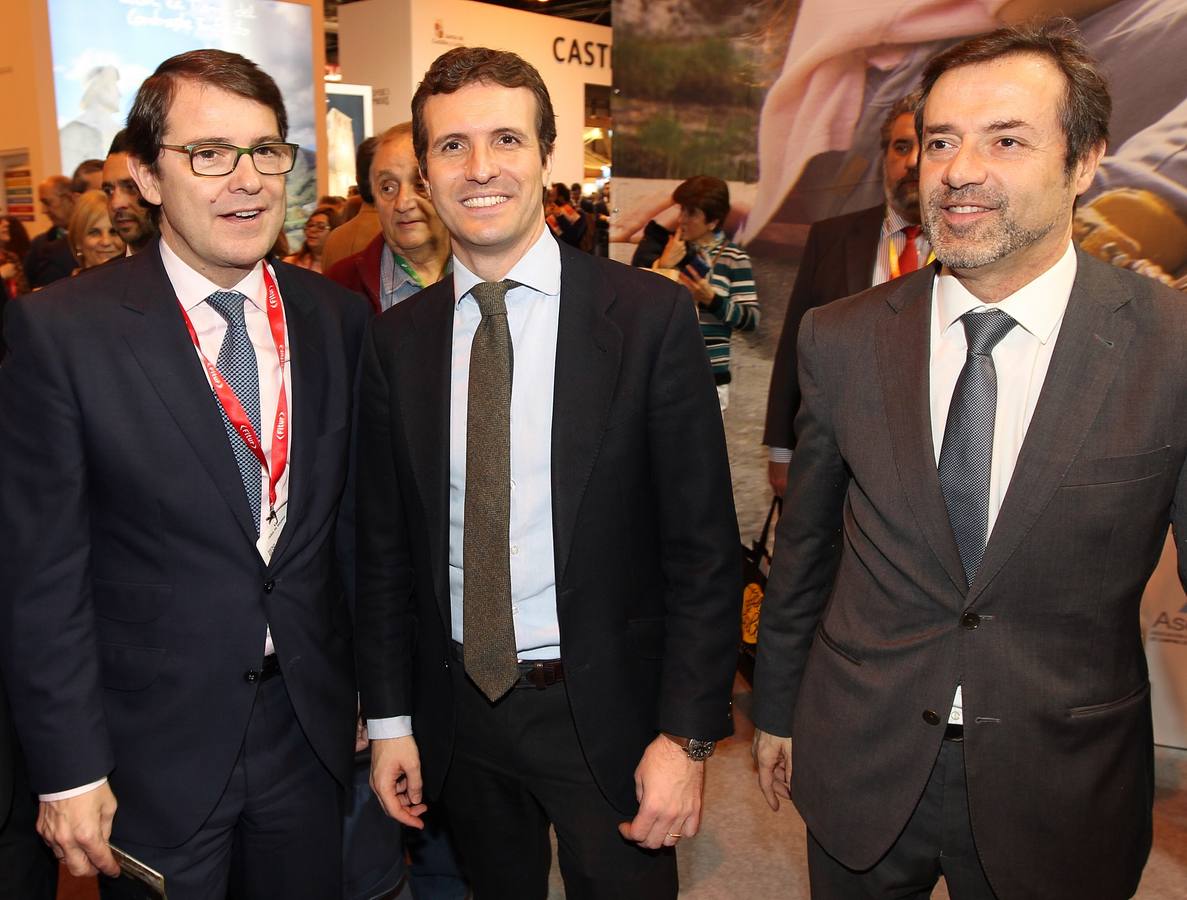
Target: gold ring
676 836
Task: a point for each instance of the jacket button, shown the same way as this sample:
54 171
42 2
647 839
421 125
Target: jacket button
970 620
251 676
931 717
268 585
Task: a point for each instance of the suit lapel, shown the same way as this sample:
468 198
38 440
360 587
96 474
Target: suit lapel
424 373
588 354
1091 344
903 346
157 337
307 374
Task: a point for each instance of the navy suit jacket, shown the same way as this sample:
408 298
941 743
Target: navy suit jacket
134 598
647 556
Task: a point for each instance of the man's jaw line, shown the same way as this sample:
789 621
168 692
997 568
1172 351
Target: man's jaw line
493 263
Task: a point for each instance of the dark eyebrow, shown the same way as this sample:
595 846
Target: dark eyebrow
938 127
267 139
1008 125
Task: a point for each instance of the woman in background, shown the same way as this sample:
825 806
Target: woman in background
92 237
317 229
14 244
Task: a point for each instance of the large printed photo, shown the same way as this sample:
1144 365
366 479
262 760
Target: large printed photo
104 49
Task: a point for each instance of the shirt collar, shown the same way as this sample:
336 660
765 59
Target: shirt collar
538 269
192 287
1037 306
893 222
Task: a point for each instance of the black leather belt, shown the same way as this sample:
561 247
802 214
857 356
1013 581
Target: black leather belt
954 732
533 673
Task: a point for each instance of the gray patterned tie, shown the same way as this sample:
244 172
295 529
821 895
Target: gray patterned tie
967 449
488 629
237 363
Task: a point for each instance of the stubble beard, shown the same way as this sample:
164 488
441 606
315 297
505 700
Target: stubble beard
979 243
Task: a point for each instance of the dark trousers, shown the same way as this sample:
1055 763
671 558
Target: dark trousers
517 768
28 870
938 840
275 832
433 867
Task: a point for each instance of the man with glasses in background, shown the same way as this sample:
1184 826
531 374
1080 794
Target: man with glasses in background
175 628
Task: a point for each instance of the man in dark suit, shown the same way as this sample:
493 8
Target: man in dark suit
843 256
998 445
176 447
548 568
49 257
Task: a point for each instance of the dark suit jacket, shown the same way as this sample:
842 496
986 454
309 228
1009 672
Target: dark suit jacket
1045 642
134 598
360 271
838 261
49 258
646 540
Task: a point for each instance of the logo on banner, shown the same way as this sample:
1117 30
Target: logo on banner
1170 628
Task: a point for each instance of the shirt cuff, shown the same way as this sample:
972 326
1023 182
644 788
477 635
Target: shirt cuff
73 792
779 454
393 727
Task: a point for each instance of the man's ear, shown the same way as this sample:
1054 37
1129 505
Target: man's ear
1085 169
546 174
146 179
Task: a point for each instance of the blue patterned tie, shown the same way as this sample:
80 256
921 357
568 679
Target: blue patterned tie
237 363
967 450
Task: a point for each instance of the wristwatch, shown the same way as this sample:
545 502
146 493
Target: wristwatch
696 750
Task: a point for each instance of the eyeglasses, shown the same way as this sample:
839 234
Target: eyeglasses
316 226
214 159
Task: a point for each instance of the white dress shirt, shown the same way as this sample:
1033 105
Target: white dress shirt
191 289
1020 359
533 315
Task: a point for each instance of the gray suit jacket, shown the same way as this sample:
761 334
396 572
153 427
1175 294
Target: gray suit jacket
862 666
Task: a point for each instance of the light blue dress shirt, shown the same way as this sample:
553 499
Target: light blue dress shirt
533 315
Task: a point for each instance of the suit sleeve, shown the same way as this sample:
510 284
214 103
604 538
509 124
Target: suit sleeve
384 615
48 650
807 548
1179 524
784 397
700 548
345 542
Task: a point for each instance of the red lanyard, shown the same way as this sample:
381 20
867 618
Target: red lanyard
234 409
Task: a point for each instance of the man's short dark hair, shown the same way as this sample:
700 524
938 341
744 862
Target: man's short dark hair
78 182
463 66
362 168
1086 106
708 194
902 106
563 194
220 69
119 143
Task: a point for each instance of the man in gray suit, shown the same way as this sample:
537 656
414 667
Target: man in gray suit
997 446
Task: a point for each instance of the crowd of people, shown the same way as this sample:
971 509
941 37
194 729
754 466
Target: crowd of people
375 561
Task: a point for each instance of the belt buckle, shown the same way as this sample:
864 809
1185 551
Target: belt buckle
540 676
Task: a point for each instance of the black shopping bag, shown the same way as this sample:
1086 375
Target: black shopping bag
756 565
